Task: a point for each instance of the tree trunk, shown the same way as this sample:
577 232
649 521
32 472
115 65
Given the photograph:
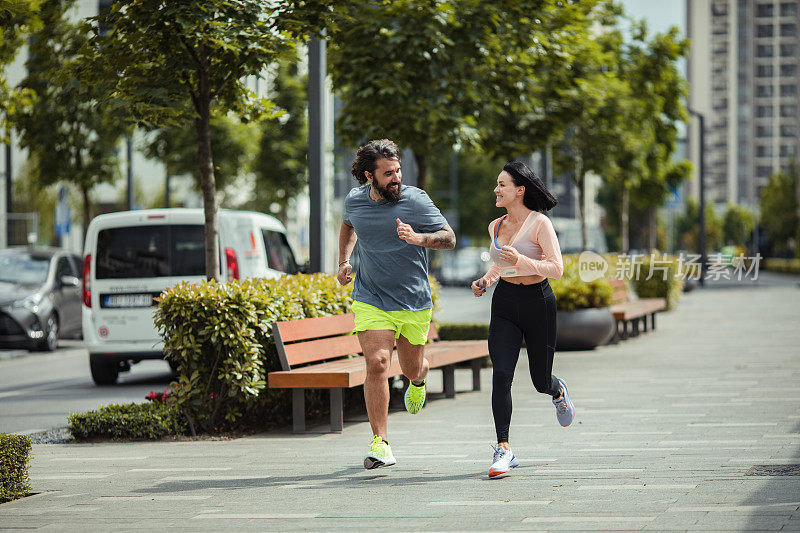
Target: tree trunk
651 218
624 242
422 169
87 209
207 183
580 180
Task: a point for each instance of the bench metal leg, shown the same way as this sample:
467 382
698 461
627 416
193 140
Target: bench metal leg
476 373
337 410
449 378
653 321
635 328
644 323
624 334
298 410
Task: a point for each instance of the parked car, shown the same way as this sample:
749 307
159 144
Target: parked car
130 257
462 266
40 297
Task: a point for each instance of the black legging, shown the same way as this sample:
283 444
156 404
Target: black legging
519 311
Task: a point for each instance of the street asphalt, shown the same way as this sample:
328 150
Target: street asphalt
694 426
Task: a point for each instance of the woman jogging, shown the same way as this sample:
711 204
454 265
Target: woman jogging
524 252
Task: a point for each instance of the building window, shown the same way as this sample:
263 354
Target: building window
788 150
764 50
719 8
788 30
788 90
763 151
788 50
765 30
788 9
764 10
764 131
764 71
765 90
788 111
764 111
789 130
763 172
788 70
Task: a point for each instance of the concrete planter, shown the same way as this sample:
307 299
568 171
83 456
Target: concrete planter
584 329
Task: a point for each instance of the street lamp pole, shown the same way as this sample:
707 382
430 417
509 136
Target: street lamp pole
702 174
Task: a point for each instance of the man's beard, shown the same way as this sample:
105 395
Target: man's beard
390 195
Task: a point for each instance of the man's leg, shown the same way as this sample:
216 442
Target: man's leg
377 346
412 360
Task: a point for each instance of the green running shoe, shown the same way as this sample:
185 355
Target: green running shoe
415 398
380 454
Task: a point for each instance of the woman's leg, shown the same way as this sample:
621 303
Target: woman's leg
505 340
538 325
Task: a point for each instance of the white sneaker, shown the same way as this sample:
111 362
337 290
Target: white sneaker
565 410
502 461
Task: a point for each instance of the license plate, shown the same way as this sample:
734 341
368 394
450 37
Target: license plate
128 300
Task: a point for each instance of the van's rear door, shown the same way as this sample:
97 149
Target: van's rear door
134 264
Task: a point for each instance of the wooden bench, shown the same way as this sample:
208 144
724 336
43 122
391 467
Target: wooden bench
321 353
630 310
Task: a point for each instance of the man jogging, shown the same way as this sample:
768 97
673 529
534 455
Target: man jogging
393 224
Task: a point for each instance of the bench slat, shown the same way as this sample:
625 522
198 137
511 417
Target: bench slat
312 328
321 349
638 308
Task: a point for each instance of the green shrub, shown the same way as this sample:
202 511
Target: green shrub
457 331
784 266
151 420
666 283
573 293
15 454
220 337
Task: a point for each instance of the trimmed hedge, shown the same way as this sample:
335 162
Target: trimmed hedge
15 454
151 420
784 266
463 331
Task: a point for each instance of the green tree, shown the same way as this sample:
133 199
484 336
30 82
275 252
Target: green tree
658 90
17 20
428 74
687 227
71 136
172 63
476 174
779 207
176 147
737 225
280 165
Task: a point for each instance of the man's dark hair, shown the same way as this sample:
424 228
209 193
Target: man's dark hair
367 157
537 197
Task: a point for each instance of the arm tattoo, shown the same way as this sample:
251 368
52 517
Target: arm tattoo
444 239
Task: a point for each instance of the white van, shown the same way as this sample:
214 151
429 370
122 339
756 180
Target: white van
130 257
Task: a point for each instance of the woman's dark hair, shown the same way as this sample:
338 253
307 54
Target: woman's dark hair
367 157
537 197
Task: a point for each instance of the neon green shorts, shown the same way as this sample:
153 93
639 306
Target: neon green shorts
413 325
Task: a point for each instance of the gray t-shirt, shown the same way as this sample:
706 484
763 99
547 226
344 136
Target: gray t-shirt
392 275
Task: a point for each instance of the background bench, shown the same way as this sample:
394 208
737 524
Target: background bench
321 353
630 311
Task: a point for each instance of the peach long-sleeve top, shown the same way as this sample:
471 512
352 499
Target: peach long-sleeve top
537 244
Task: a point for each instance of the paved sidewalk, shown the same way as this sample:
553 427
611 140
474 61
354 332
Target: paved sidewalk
668 428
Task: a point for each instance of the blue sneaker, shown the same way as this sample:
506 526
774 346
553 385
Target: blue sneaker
565 410
502 461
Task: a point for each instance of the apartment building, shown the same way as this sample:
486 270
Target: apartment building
744 77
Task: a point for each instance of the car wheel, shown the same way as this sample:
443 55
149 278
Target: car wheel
104 372
51 332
